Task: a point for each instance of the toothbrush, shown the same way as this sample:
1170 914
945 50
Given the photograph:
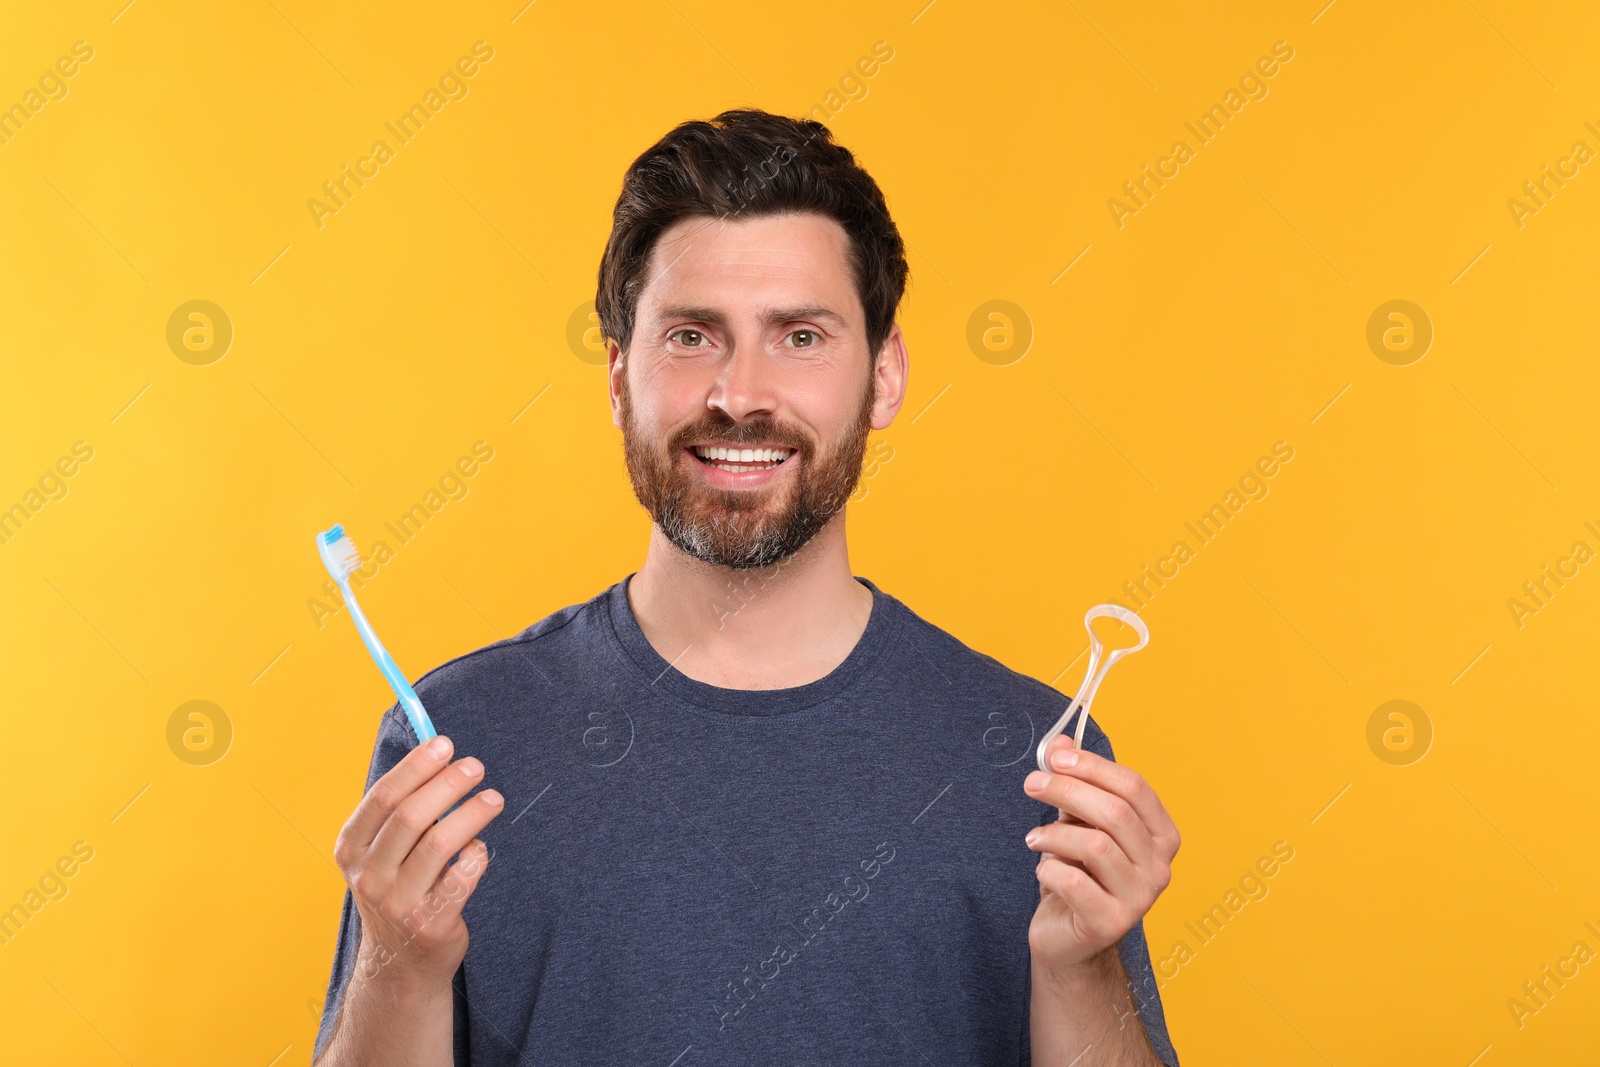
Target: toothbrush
339 555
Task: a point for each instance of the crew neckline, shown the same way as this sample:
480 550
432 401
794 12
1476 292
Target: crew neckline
657 673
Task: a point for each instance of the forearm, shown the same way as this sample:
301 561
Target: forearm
1087 1018
384 1021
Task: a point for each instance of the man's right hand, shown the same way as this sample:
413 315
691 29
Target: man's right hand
393 852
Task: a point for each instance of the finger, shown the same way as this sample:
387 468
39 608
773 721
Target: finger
432 911
1097 807
1095 852
415 768
1122 781
444 839
1095 910
458 881
417 813
1062 743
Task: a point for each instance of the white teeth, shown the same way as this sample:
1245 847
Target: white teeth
770 456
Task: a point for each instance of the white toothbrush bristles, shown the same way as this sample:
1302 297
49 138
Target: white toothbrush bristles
344 555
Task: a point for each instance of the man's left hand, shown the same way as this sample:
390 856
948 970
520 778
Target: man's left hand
1104 861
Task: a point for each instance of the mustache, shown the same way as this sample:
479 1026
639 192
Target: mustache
725 432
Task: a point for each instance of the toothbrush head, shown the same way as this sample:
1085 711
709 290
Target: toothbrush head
338 553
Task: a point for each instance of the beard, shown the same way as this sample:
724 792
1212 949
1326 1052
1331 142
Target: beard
744 529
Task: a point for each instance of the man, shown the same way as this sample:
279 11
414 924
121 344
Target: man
764 813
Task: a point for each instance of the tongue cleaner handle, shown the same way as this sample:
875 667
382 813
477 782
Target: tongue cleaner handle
1096 673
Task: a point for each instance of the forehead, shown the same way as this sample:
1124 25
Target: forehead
752 262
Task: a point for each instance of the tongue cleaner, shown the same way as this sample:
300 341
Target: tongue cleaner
1092 680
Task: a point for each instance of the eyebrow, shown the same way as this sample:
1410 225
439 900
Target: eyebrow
771 318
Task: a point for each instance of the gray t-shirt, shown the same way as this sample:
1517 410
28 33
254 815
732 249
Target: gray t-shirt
686 875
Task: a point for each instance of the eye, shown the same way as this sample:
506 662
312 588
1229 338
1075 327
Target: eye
697 336
810 338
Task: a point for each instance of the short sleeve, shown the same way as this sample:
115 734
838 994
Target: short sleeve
1135 953
395 739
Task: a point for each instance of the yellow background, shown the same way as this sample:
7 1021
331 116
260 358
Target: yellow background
1228 314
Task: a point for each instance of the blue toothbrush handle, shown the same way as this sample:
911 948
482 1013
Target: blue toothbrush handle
421 725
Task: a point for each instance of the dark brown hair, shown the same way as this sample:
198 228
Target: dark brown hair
748 164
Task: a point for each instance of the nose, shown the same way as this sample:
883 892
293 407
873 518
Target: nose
746 384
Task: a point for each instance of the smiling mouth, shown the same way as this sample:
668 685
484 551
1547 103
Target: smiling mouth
740 460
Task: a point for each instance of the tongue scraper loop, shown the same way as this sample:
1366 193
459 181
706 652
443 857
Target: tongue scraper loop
1092 680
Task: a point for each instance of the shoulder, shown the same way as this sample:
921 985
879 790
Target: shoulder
478 686
992 682
545 640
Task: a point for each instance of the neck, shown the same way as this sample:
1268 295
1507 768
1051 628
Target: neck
770 627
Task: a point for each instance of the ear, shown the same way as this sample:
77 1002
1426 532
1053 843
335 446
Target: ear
890 376
616 367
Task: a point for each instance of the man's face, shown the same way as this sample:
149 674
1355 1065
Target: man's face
746 393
